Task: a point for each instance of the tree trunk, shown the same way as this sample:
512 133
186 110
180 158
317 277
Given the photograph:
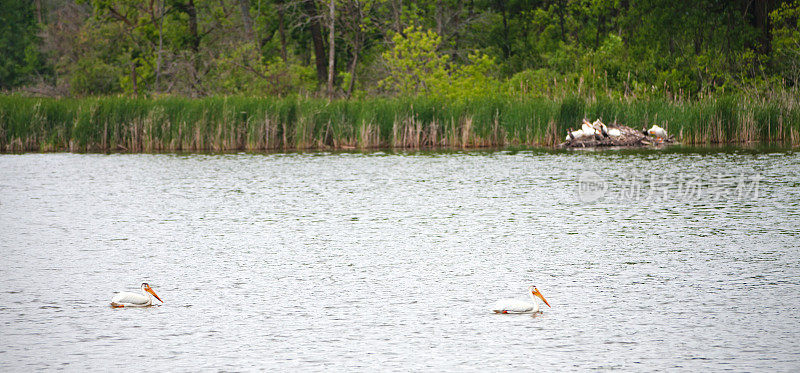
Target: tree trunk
247 20
760 21
282 32
506 42
561 7
397 12
160 45
194 37
600 25
698 41
457 28
623 28
191 11
728 35
331 47
133 78
316 37
353 69
39 17
439 18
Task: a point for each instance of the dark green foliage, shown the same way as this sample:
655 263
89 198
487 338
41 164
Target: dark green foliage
94 77
647 49
20 59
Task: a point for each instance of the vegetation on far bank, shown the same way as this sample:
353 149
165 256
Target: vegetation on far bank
241 123
293 74
644 49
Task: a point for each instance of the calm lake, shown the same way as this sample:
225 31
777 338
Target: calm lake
684 259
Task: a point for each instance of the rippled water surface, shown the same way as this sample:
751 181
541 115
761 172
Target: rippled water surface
686 259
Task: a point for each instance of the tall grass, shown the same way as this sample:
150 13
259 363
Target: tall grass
239 123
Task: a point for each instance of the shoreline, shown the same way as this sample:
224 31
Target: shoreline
754 146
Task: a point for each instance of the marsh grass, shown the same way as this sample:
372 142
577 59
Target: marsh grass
253 124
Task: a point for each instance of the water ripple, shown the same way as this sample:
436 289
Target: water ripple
384 261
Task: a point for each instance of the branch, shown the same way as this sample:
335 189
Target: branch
116 14
226 13
250 69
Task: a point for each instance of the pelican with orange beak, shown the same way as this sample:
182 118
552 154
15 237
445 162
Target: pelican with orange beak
510 305
658 132
128 299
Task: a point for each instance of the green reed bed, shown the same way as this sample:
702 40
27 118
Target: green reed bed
241 123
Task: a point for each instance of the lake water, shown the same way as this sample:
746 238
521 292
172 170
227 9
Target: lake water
685 259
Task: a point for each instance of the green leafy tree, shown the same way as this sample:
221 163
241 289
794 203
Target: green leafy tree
416 67
413 64
786 40
139 23
642 48
474 79
20 58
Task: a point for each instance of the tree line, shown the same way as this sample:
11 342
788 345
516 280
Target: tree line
361 48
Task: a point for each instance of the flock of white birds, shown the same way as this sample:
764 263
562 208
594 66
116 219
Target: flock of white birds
599 130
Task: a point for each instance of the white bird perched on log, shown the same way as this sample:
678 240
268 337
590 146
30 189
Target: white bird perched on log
128 299
600 126
613 132
572 135
510 305
657 131
587 128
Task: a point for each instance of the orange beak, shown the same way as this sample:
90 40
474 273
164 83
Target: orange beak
149 290
538 294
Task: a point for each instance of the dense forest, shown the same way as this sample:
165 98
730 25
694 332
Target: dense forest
678 50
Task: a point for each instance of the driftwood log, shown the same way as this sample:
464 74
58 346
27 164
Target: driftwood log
629 137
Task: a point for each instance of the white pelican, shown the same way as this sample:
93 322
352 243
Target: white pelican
614 132
127 299
509 305
587 128
571 135
657 132
600 126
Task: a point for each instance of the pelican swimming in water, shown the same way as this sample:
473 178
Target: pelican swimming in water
510 305
128 299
